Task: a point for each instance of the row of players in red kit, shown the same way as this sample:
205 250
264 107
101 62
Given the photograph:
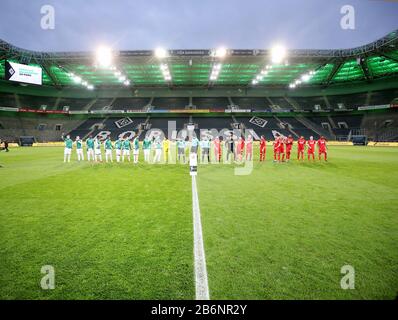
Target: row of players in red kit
283 147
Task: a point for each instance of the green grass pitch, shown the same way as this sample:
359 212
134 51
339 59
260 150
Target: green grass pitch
124 231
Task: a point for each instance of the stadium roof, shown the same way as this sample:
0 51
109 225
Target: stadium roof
193 68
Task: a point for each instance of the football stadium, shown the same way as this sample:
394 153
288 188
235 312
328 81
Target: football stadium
207 174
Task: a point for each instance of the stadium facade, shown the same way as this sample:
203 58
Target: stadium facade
336 93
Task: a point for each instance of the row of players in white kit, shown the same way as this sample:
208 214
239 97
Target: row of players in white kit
122 149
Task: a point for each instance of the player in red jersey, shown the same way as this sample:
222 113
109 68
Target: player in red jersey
249 148
300 148
263 148
322 148
311 148
217 149
281 154
276 148
289 144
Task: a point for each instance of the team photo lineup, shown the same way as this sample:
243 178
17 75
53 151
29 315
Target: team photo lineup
237 149
198 159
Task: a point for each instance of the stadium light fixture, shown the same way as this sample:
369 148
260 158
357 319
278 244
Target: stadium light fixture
77 79
126 82
304 78
278 54
161 53
215 71
104 57
166 72
220 52
90 87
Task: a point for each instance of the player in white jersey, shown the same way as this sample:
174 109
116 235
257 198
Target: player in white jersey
68 147
158 150
108 149
118 148
97 149
79 149
146 146
90 148
126 149
136 149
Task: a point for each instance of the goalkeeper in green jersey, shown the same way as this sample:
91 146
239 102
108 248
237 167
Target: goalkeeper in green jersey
118 148
97 149
126 149
79 149
136 149
68 147
90 148
108 149
146 146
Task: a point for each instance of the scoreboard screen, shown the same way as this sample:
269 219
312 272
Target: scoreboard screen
23 73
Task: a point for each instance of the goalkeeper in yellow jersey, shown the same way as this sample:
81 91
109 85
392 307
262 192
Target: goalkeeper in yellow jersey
166 144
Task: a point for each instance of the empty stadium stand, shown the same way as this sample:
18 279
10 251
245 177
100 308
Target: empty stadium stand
252 103
130 103
74 103
210 103
170 103
102 103
36 102
7 100
350 101
383 97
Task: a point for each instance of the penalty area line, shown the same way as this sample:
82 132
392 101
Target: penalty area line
201 283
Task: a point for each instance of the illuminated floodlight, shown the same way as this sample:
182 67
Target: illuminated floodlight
167 78
161 53
126 83
297 82
292 86
220 52
77 79
84 83
254 82
117 73
306 77
278 54
90 87
259 77
264 72
312 72
122 78
104 57
164 66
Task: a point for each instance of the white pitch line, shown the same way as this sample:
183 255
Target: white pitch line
201 284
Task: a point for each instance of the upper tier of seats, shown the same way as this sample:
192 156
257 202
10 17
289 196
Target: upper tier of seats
211 103
130 103
74 103
170 103
350 101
